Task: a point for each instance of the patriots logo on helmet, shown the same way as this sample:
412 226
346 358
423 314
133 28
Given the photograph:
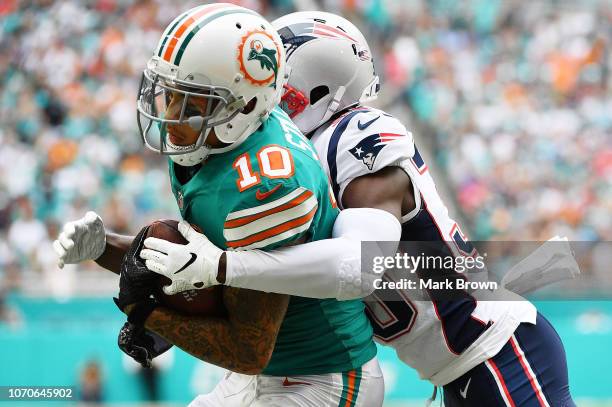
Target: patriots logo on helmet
295 35
368 148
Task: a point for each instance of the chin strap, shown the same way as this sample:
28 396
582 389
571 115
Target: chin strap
334 104
191 158
370 93
432 398
188 159
196 157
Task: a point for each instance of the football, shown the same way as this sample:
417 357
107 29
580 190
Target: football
205 302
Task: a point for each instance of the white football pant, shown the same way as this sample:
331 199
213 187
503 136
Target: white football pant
361 387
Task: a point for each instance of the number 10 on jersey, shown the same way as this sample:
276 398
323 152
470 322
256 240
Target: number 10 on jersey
274 162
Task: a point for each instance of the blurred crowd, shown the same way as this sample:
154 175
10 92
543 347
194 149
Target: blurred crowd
517 97
514 99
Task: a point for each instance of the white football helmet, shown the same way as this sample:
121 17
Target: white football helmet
331 67
224 53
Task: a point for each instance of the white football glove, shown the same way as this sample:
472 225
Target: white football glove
80 240
190 266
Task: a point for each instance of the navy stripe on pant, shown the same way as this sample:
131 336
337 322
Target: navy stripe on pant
529 371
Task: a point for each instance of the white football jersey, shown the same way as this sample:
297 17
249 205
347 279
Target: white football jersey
442 340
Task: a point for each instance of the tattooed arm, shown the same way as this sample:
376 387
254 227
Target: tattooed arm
242 343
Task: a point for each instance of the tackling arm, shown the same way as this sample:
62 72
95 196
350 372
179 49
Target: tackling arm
389 189
115 249
308 270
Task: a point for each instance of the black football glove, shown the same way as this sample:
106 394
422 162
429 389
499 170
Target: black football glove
136 282
136 286
141 344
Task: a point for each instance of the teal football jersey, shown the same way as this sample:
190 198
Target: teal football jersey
267 192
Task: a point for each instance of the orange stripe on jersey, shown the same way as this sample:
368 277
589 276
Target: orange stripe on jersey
183 27
250 218
274 231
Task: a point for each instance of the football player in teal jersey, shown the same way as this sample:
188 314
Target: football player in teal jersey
241 171
503 352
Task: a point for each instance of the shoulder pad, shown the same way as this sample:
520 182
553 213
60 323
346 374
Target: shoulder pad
364 141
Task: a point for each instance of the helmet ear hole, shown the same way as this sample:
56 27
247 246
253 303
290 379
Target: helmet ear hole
250 106
318 93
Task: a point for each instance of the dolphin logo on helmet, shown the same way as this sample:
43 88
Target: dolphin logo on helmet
265 56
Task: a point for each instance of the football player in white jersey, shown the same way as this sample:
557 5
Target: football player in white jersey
483 353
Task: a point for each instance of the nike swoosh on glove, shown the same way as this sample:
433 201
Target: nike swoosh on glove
80 240
190 266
